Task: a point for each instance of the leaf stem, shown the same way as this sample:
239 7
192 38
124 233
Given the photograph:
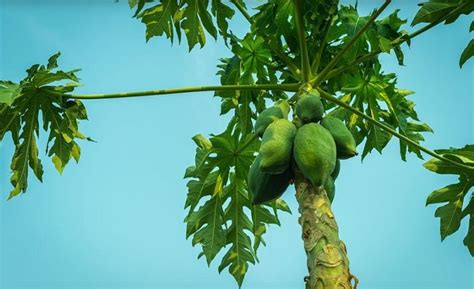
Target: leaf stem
319 53
397 42
242 10
321 76
279 87
329 97
295 70
299 20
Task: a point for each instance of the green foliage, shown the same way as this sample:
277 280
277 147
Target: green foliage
376 94
458 204
218 186
221 217
22 104
193 17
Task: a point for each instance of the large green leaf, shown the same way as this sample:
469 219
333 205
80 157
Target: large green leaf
218 181
39 94
455 195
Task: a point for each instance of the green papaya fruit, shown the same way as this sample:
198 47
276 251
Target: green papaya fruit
277 143
315 153
330 189
337 168
345 143
266 187
309 107
279 111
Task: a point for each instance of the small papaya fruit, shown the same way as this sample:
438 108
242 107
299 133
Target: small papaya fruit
309 107
315 153
337 168
277 143
279 111
266 187
330 189
345 143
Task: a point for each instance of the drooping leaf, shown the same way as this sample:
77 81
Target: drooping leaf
454 195
193 17
40 94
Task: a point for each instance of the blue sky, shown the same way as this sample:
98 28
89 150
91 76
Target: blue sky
116 219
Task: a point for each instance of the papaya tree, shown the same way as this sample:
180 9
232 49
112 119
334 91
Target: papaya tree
303 90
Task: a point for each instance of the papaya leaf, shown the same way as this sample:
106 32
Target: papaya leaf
194 18
9 91
467 53
376 94
220 215
454 195
432 10
39 94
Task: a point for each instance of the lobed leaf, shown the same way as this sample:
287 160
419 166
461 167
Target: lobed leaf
454 195
38 94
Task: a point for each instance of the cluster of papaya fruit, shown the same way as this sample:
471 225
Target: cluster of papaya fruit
311 142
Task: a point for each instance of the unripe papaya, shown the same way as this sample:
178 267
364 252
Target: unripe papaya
330 189
266 187
277 143
279 111
315 153
309 107
337 168
345 143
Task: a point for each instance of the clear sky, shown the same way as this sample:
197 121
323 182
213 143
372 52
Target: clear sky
116 219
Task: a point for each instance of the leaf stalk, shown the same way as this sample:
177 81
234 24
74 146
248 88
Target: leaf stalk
327 96
299 20
279 87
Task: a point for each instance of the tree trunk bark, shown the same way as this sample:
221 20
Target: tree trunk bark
327 260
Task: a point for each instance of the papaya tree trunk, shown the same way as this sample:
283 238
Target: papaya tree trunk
327 260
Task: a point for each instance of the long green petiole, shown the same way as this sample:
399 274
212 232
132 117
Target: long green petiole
277 87
325 95
299 20
242 10
321 76
317 59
